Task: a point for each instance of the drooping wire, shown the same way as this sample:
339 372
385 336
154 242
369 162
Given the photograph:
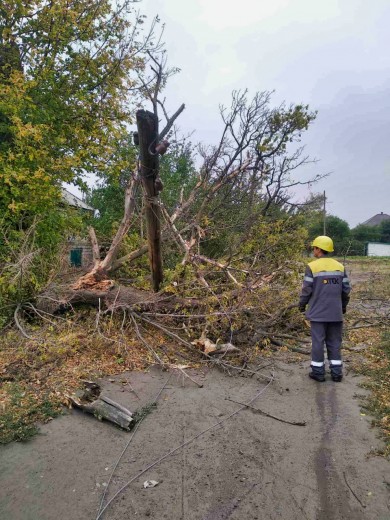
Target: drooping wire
174 450
124 450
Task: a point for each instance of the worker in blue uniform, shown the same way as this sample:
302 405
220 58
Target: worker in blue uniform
326 291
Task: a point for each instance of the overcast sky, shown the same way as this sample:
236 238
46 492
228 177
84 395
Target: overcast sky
333 55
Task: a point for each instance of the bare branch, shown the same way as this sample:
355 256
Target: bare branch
170 122
18 324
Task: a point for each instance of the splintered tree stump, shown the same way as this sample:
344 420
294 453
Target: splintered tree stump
147 124
108 412
101 407
96 280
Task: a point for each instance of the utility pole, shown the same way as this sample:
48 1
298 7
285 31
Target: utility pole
147 124
324 213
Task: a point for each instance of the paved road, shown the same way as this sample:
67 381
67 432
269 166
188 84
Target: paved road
248 467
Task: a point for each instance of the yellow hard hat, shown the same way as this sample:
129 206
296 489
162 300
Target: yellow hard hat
323 242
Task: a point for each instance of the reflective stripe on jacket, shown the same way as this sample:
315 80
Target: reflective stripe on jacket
326 289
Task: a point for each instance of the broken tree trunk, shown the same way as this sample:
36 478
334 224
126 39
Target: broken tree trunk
147 124
90 400
97 278
110 412
58 299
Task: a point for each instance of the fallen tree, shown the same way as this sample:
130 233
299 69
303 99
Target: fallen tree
239 202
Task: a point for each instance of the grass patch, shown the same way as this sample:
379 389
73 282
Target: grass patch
22 411
369 305
143 412
373 275
37 375
377 367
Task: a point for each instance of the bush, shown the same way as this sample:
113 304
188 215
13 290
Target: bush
29 256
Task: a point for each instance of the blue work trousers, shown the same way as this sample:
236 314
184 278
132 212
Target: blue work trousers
327 334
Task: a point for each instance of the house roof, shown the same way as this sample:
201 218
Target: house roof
377 219
74 201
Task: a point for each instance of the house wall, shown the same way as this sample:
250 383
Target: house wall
77 247
377 249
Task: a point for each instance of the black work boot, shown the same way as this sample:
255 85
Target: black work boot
337 378
317 377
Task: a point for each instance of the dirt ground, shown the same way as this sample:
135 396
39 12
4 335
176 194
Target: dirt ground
248 466
241 465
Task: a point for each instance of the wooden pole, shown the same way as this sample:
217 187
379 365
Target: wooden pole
147 124
324 213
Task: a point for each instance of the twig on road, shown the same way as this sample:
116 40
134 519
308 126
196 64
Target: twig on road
178 367
352 491
294 423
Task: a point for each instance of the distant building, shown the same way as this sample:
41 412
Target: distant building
79 251
377 249
376 219
76 202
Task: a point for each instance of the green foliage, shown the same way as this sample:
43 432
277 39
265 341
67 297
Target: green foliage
29 255
65 81
109 195
363 233
237 223
108 200
275 241
384 228
138 268
65 73
284 126
347 241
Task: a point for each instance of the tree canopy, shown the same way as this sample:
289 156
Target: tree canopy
67 70
337 228
66 74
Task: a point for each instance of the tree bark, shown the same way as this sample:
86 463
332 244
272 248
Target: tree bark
147 124
95 245
57 299
102 407
110 258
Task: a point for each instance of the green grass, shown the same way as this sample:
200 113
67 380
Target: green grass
373 285
377 369
18 421
140 414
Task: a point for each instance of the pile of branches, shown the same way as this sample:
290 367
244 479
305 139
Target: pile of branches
222 324
245 178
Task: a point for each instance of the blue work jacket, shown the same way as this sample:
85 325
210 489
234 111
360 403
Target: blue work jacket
325 289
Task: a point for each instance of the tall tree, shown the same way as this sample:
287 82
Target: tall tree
336 228
363 233
65 85
385 231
